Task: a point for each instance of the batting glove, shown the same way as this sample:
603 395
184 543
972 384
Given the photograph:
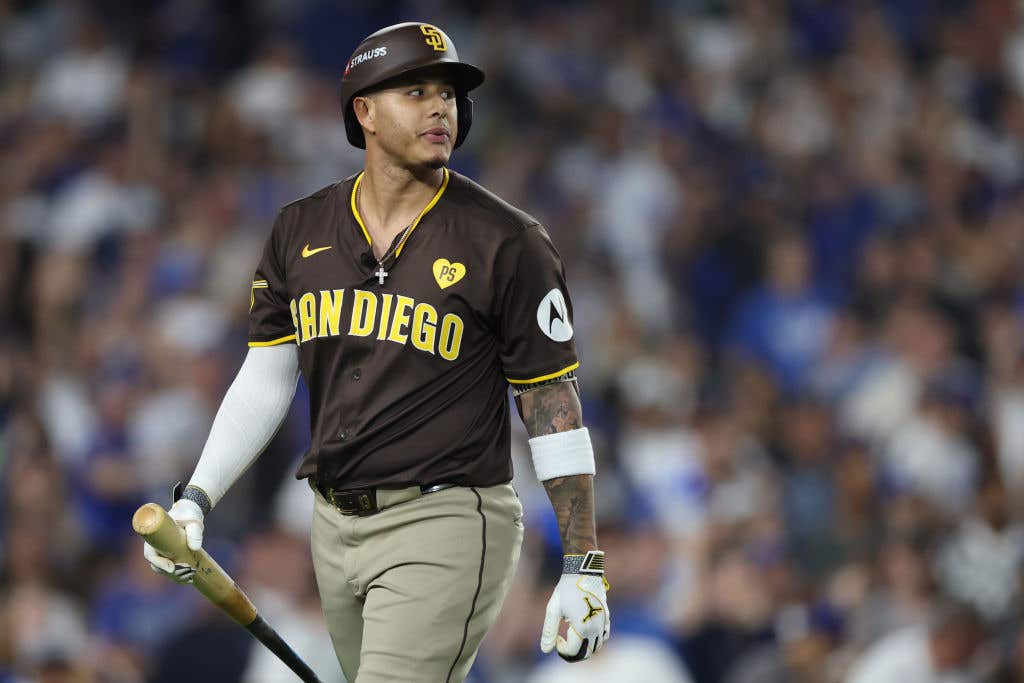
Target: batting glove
580 598
187 514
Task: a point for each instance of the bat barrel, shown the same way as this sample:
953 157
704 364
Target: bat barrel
152 523
269 637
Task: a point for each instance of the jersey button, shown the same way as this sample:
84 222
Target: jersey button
357 374
344 435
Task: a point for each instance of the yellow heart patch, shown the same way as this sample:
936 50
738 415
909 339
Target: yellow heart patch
447 273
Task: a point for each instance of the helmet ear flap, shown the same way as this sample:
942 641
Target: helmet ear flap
353 130
465 108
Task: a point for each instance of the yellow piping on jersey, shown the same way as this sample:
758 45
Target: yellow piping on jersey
274 342
544 377
428 207
355 211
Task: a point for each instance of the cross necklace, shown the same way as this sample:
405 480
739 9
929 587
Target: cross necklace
381 273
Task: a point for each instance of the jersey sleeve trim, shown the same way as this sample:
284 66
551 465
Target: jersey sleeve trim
426 209
256 284
550 375
274 342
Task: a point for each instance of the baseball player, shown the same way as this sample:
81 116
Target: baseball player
411 298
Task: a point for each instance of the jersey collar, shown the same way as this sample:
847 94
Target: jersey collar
427 208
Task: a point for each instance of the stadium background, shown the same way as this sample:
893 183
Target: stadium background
793 233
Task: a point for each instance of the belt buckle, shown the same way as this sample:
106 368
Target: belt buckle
360 502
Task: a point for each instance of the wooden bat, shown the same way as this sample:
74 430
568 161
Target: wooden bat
153 524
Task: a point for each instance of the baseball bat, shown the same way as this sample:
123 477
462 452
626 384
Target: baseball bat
153 524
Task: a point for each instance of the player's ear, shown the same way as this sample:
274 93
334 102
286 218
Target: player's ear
365 109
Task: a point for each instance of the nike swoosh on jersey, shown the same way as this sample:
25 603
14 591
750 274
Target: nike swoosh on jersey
307 252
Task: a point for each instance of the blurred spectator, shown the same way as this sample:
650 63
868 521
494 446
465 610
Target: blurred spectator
664 458
46 633
940 651
932 455
629 658
808 489
134 614
84 83
268 91
785 323
902 593
983 562
806 638
915 344
736 617
218 650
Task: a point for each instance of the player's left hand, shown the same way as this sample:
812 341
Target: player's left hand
581 600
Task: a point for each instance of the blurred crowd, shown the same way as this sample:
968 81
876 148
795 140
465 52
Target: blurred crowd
794 237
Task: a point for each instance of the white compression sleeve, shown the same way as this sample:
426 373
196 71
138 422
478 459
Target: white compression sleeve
253 409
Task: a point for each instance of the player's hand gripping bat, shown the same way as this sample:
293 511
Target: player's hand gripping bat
157 528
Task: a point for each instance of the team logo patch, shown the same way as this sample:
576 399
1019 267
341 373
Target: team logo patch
553 316
447 273
434 38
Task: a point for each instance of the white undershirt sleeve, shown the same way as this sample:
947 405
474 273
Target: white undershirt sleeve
252 411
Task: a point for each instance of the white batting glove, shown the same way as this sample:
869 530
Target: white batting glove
189 515
580 598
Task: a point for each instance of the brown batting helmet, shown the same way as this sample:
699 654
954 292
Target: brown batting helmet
398 51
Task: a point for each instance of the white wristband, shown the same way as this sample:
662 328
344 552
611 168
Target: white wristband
562 454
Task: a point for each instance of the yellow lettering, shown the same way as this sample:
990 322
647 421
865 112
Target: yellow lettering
385 311
364 313
307 316
330 312
401 319
424 327
451 337
295 315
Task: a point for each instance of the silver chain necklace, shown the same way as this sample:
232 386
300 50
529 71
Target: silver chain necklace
381 273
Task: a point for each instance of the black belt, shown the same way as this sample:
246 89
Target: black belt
363 502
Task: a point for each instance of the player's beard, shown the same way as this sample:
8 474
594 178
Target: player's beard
436 163
407 154
439 154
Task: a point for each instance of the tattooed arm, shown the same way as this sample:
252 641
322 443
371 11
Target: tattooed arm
548 409
577 619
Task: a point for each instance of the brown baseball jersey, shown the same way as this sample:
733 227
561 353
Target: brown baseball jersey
408 378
